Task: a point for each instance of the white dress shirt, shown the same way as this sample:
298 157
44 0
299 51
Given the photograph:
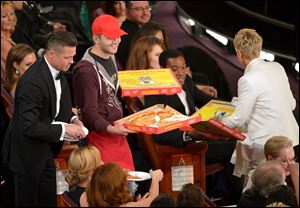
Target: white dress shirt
57 84
182 97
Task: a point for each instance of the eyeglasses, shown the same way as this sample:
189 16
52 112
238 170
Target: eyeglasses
141 9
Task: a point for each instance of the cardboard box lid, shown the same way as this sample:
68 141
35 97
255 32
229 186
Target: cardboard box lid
179 120
148 82
210 113
215 108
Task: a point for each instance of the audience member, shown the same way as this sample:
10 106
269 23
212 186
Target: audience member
264 106
113 8
32 27
293 168
154 29
33 139
276 148
186 103
265 178
138 13
190 196
282 194
145 54
96 85
20 57
206 72
8 23
81 165
163 200
108 187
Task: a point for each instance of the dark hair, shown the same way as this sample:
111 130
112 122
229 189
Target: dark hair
163 200
16 54
151 28
282 194
58 39
165 55
190 196
108 7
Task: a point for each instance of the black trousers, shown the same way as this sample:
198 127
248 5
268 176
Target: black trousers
37 191
221 151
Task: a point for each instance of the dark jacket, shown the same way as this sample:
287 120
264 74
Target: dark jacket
194 98
31 139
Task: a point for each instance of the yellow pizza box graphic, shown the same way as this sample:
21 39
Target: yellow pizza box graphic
136 83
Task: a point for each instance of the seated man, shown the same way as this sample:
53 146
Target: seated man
186 103
266 177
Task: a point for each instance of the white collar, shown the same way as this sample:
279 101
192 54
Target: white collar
54 72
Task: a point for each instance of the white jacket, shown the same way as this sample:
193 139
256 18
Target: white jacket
265 108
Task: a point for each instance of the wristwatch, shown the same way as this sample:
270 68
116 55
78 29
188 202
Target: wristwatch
186 137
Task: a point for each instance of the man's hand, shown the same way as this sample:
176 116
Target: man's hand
57 26
77 122
119 129
74 130
209 90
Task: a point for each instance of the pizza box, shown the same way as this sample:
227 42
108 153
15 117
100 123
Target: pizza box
136 83
157 119
211 113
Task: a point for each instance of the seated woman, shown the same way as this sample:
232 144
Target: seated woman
20 57
81 165
114 8
8 23
108 188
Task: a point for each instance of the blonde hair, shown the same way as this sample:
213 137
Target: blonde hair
82 163
248 42
9 5
275 144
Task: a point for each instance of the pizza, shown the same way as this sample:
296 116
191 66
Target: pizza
153 118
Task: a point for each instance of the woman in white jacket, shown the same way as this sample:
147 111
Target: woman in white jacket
264 106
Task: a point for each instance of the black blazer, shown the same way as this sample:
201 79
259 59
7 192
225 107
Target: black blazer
194 98
31 139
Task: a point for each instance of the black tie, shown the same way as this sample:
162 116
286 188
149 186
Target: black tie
58 76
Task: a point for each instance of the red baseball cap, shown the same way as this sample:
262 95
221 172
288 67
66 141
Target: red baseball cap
108 26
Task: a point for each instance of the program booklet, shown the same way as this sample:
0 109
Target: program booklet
210 114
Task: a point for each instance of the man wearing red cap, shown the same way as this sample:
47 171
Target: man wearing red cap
96 83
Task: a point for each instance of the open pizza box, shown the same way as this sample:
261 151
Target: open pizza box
136 83
157 119
211 113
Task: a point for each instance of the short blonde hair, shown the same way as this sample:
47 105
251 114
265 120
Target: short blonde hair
248 42
275 144
82 163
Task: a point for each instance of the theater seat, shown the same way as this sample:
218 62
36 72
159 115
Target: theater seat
67 201
166 157
8 101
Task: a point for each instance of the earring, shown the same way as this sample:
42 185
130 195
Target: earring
17 71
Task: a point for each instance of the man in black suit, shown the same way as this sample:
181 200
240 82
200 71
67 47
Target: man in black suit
34 136
186 103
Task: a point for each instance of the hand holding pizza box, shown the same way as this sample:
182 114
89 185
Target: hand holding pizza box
210 124
157 119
